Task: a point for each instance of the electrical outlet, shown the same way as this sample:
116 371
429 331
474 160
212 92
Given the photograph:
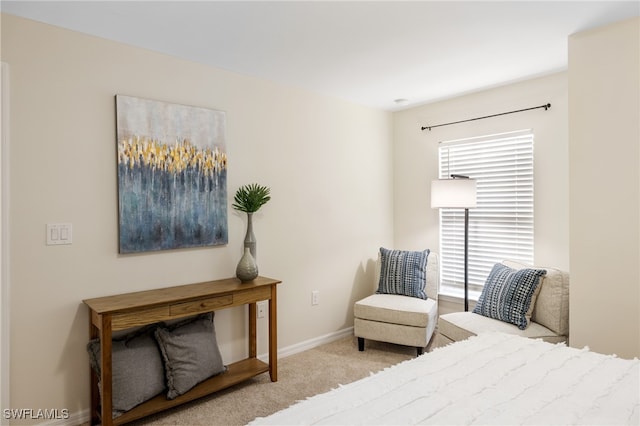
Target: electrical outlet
315 297
262 308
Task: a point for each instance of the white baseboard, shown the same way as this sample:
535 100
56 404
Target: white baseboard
84 416
309 344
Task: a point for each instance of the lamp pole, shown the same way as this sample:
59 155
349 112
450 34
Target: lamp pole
466 249
466 259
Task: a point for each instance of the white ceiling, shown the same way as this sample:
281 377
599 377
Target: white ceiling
367 52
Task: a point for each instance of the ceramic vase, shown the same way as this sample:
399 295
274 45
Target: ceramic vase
247 268
249 238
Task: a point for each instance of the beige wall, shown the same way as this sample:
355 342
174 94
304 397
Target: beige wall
416 159
328 164
604 138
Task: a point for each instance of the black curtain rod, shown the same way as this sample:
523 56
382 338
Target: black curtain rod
546 107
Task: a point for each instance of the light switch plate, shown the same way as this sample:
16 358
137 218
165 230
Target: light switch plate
59 233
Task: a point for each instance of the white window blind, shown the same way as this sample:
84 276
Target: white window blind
501 226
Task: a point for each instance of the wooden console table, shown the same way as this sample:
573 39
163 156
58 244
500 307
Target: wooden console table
122 311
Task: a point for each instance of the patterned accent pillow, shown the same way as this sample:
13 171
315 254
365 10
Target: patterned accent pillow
403 272
507 294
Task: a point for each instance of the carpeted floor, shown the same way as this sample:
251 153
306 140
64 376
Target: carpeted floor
299 376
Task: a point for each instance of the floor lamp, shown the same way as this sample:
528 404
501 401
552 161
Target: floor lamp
457 192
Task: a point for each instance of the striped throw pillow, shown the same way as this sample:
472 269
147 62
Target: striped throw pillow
403 272
507 294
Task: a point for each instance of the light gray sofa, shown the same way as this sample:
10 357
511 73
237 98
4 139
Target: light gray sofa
549 313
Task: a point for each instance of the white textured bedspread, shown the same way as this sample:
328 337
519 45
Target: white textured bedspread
488 379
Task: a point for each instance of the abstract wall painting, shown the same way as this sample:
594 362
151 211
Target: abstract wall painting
172 176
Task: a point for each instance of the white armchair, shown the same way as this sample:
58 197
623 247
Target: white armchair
400 319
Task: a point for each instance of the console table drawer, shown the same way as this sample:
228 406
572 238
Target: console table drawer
140 317
203 305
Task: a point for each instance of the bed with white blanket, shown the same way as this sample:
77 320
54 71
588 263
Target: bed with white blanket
492 378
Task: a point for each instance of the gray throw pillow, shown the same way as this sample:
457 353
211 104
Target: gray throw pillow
190 352
137 369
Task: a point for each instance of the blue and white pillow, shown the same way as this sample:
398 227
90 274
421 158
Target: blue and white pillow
403 272
507 294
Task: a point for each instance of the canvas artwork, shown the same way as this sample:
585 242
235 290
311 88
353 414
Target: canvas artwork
172 175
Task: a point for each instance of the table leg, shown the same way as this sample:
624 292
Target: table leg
273 336
253 350
95 391
106 371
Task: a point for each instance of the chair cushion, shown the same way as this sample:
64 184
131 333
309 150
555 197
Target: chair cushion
461 325
403 272
507 294
396 309
551 308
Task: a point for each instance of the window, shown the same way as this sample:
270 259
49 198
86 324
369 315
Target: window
501 226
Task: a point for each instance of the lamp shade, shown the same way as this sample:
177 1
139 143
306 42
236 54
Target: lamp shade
453 193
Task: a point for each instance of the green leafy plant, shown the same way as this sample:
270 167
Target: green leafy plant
249 198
